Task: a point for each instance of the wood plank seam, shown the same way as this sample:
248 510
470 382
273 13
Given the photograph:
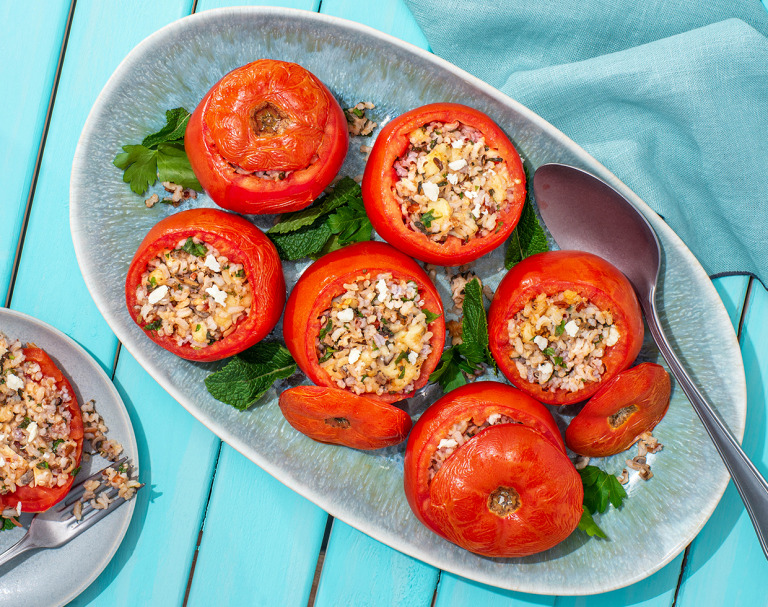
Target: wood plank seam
320 562
39 158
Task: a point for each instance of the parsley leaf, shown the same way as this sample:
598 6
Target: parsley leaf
8 524
600 488
198 249
431 316
560 328
588 525
527 238
449 372
154 325
428 217
173 165
248 375
350 223
139 165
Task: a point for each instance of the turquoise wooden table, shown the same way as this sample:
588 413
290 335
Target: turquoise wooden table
214 529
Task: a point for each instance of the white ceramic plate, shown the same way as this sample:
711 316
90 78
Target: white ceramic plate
77 563
175 67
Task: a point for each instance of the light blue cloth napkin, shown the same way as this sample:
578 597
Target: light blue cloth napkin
672 97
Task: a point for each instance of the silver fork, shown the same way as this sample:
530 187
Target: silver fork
58 525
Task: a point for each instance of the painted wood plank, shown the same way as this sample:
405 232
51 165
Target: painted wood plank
726 565
260 542
48 258
27 70
363 572
177 457
455 591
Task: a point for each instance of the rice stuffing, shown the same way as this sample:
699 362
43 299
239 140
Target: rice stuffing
559 341
193 293
374 338
452 183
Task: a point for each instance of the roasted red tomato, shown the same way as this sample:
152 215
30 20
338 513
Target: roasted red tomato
205 284
332 415
366 318
267 138
486 468
35 498
562 323
444 184
628 405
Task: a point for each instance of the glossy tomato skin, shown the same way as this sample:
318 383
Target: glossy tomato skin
324 280
40 499
379 180
641 394
339 417
528 455
307 135
552 272
241 242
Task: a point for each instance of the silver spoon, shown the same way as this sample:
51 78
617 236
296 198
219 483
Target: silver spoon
585 214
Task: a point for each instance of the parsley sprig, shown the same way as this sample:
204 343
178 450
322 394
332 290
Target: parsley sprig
160 155
600 489
333 221
248 375
472 352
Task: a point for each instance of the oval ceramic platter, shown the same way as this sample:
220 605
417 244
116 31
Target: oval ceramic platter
77 563
175 67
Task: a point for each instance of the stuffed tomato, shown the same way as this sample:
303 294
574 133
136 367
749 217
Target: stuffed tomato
267 138
336 416
562 323
41 431
486 468
627 406
205 284
367 319
444 184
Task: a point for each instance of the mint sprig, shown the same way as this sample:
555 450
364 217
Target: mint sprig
333 221
160 155
248 375
527 238
600 489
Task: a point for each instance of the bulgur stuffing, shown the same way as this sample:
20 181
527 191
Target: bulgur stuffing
374 338
459 434
358 124
35 448
99 494
178 195
558 341
193 293
451 183
457 283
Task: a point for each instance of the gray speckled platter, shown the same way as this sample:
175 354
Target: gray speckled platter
176 66
80 561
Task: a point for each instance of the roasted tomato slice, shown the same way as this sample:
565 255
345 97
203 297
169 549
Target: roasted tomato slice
628 405
444 184
35 498
215 276
332 415
486 468
267 138
366 318
562 323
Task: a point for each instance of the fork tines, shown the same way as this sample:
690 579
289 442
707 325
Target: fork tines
77 492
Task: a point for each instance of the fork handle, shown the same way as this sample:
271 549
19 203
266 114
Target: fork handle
751 486
24 544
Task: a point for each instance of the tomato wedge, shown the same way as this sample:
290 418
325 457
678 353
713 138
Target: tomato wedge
241 242
385 211
269 137
324 280
40 499
332 415
519 458
584 277
628 405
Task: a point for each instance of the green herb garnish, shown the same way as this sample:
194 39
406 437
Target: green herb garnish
600 489
428 217
56 444
325 329
527 238
588 525
27 420
196 249
402 373
154 325
431 316
8 523
560 328
43 465
549 351
75 471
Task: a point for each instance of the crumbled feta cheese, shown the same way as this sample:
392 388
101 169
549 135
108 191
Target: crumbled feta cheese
545 371
32 432
541 341
354 354
219 296
431 190
2 461
457 144
471 194
457 165
571 328
453 178
613 336
346 315
412 357
381 287
447 442
476 209
13 382
212 263
157 294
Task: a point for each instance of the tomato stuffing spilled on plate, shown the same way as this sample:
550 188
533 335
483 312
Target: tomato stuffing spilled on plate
269 137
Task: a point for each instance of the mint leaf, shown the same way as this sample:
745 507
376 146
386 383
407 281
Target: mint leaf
173 165
589 526
175 125
304 242
248 375
139 165
600 488
8 524
474 326
527 238
343 192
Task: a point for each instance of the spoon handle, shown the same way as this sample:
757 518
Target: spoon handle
752 487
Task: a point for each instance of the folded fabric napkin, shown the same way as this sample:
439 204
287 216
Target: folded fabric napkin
671 97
